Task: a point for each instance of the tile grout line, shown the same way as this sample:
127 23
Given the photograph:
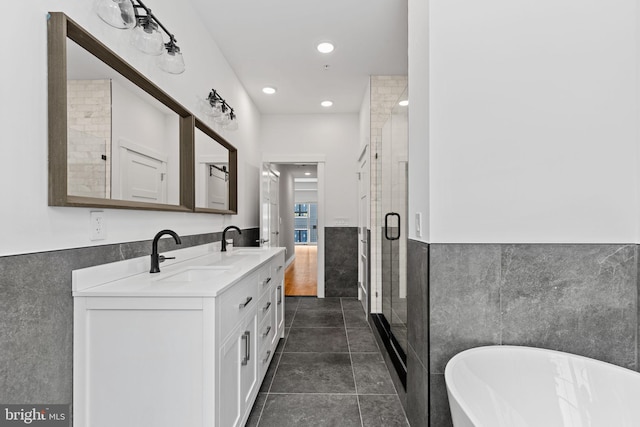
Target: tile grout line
353 371
284 343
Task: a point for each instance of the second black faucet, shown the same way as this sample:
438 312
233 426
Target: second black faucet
224 236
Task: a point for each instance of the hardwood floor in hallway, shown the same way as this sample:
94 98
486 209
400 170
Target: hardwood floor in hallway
301 277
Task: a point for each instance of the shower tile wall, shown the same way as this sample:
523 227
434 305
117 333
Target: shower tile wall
385 91
578 298
36 314
89 122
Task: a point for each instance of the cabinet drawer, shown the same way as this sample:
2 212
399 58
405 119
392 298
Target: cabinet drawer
236 302
277 268
265 306
266 332
266 278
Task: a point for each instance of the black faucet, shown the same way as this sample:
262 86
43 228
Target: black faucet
224 237
157 259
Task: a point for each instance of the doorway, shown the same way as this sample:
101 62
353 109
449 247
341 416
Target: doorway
301 192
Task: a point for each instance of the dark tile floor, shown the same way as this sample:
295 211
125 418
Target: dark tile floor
327 371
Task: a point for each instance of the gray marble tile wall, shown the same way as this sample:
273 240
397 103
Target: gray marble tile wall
579 298
36 314
341 261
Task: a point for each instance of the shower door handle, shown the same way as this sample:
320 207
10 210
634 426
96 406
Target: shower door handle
386 226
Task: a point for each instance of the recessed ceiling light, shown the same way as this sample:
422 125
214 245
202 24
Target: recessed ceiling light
307 173
325 47
403 103
326 104
269 90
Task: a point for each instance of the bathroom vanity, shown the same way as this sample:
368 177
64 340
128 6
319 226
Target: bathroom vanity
188 346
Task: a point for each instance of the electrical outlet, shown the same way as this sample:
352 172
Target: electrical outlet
97 225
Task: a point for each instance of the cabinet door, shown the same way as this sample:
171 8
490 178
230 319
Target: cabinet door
249 363
229 368
238 373
279 310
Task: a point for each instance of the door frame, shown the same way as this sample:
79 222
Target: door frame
319 160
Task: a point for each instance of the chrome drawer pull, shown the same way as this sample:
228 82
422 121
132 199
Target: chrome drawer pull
279 295
266 307
266 281
267 331
266 359
279 268
243 305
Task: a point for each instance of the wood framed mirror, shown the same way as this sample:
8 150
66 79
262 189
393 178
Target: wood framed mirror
216 166
116 140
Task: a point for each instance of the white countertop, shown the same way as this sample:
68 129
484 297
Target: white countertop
131 278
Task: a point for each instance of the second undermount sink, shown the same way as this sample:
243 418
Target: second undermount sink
196 274
247 251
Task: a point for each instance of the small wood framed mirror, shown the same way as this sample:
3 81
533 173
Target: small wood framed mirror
216 165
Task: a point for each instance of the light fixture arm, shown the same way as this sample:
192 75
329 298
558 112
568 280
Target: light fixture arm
149 14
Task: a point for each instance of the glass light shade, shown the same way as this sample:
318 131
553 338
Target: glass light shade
223 119
117 13
216 110
171 62
148 41
232 125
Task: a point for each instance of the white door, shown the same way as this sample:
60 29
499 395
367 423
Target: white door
363 226
269 209
217 187
143 178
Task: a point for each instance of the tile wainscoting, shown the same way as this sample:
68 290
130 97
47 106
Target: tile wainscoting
579 298
36 314
341 261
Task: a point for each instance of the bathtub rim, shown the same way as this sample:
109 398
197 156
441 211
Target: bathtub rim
454 392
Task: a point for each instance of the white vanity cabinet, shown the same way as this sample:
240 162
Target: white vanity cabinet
153 351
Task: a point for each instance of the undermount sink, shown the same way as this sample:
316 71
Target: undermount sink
196 274
247 251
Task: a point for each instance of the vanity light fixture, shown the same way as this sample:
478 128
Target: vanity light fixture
325 47
146 36
326 104
221 112
269 90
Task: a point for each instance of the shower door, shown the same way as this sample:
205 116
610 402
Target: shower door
393 181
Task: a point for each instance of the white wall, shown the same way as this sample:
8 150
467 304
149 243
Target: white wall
29 224
419 168
336 137
532 120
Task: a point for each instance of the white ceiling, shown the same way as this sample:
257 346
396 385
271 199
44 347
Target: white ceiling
273 43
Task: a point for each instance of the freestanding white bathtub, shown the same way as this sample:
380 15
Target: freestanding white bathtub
511 386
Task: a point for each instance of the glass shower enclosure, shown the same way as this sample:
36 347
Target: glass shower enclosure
393 164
